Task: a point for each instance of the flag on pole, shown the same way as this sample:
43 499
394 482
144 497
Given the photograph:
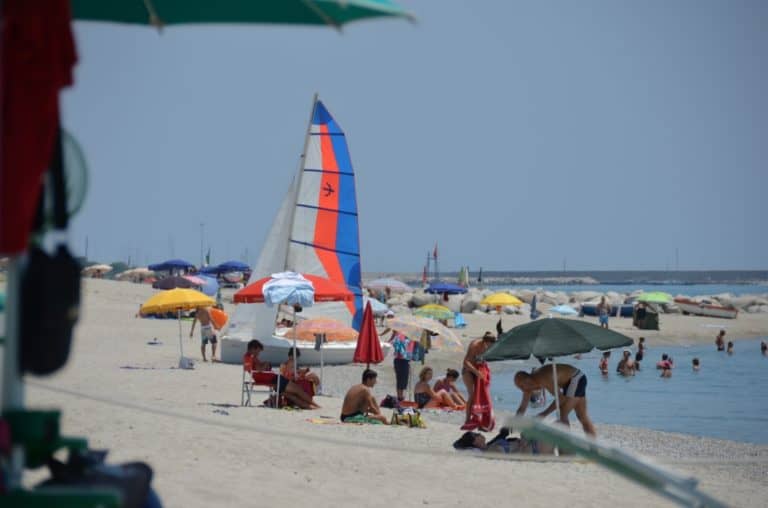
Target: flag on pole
208 257
434 254
424 276
480 276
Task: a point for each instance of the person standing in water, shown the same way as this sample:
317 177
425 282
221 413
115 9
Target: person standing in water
763 348
720 341
730 348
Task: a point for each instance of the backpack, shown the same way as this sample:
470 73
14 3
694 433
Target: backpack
408 416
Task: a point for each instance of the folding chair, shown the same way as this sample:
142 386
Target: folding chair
259 378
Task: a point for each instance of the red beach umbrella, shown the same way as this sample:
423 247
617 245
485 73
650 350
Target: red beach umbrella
368 348
325 290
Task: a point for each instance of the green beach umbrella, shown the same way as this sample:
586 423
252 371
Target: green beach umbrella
655 297
547 338
158 13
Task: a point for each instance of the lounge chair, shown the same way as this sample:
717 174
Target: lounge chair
253 378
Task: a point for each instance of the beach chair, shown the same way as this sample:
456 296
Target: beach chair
252 379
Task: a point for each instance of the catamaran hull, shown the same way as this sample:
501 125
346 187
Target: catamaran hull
701 309
276 351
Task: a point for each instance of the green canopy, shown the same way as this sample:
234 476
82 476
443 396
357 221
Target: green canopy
655 297
171 12
547 338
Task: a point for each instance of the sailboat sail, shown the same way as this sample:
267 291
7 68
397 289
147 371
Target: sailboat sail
315 232
324 237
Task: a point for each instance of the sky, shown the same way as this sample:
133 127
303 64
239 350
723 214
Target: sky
517 135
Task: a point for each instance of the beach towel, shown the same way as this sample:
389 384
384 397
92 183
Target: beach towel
361 419
481 416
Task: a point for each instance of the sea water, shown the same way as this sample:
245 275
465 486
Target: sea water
726 398
673 289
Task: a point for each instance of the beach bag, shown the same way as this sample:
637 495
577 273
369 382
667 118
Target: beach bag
409 417
390 401
50 285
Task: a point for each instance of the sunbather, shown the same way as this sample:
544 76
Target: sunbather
426 397
359 400
503 443
306 379
448 383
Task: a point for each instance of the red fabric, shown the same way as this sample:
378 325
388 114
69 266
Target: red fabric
325 290
38 53
368 348
481 414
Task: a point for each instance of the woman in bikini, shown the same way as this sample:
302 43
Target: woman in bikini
304 378
425 396
448 383
472 361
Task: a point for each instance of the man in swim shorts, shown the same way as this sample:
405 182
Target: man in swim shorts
571 390
359 400
207 331
603 310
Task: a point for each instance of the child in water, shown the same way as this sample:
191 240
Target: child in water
730 348
603 365
696 365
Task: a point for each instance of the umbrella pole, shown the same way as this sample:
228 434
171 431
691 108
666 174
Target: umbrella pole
322 340
295 355
557 397
181 346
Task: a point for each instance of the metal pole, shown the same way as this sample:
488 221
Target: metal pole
13 384
295 355
322 342
181 347
557 397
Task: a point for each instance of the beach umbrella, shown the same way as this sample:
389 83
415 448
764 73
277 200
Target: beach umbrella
333 329
434 311
233 266
445 288
655 297
394 285
565 310
551 337
176 300
368 348
334 13
413 326
209 286
324 290
171 265
534 312
377 307
173 283
501 299
94 269
197 281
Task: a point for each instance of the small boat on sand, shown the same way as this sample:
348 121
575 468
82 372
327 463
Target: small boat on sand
706 308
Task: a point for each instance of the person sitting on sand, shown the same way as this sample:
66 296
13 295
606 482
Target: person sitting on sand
359 400
207 331
308 380
294 393
626 366
448 383
472 361
425 396
571 391
730 348
720 341
696 364
603 365
666 362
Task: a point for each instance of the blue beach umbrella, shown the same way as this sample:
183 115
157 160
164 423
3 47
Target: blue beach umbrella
445 288
211 286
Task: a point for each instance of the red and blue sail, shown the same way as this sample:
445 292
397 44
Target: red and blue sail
324 236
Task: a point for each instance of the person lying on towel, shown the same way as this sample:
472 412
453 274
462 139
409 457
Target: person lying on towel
359 400
502 443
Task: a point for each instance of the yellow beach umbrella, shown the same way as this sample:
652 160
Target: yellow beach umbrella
176 300
434 311
500 300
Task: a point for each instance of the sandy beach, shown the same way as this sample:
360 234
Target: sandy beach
206 450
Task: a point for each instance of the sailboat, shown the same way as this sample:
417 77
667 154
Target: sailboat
315 232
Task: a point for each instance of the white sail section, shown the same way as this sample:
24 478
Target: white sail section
257 320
